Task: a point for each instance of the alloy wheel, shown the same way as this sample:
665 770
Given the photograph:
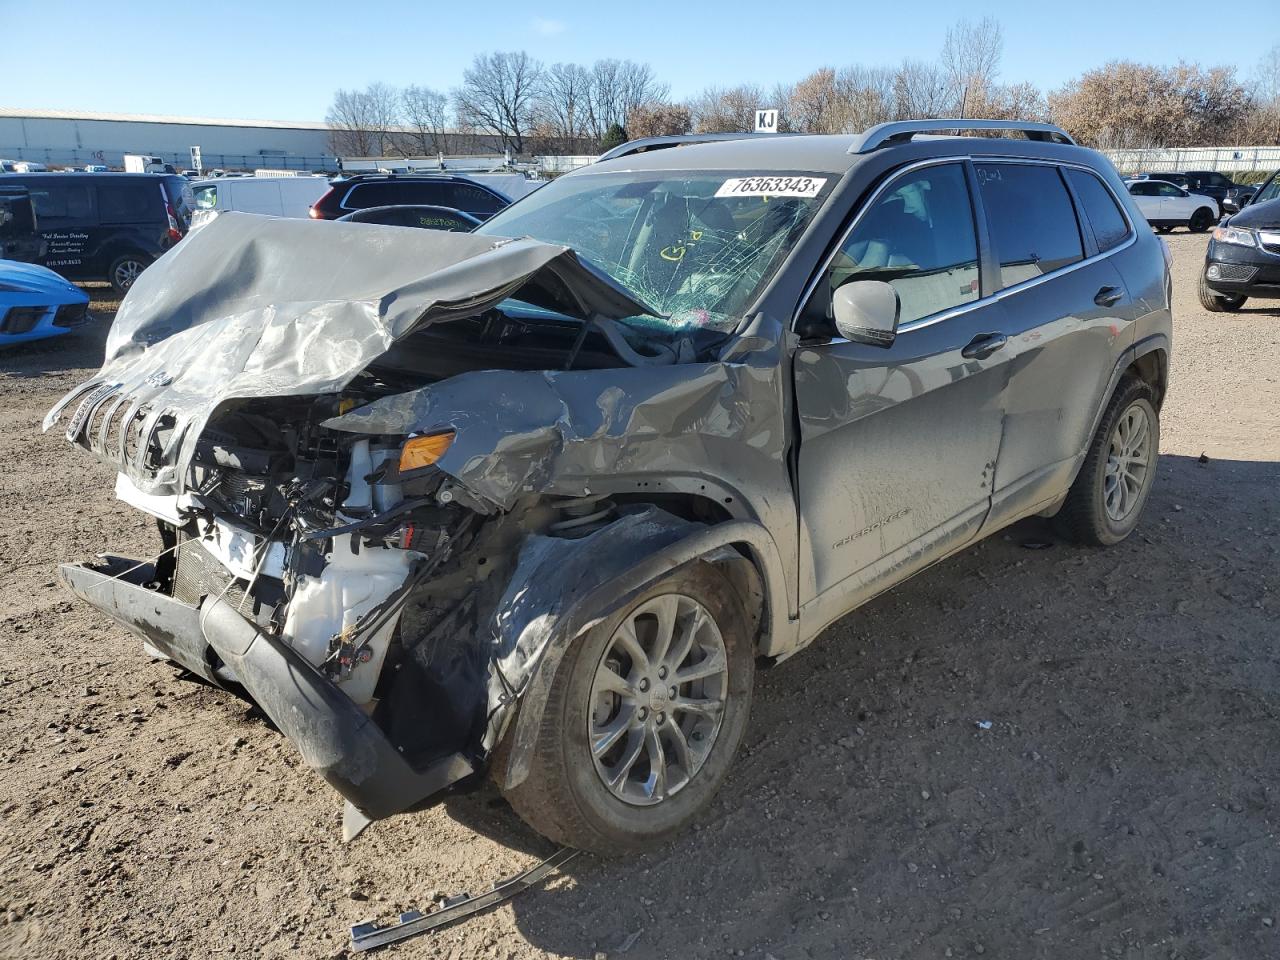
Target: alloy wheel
1129 460
657 699
126 272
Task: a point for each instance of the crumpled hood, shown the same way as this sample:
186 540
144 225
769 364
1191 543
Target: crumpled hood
255 306
1264 215
18 277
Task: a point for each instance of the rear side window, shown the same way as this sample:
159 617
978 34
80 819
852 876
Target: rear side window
1033 223
206 197
1109 225
472 199
459 196
918 237
59 203
127 202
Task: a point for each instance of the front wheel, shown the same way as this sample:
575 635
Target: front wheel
1216 302
1201 220
643 718
1107 497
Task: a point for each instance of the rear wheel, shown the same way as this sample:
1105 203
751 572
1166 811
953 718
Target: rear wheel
1201 220
1216 302
643 718
124 270
1108 495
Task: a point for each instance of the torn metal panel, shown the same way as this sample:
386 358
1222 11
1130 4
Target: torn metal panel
574 432
262 307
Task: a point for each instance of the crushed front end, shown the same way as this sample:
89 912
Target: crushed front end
381 506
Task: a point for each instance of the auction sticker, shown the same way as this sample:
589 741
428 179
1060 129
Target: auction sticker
771 187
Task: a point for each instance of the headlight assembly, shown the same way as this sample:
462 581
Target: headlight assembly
1236 235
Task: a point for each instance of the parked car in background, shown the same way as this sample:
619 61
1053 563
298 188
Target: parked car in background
1177 179
1166 206
385 190
272 196
36 303
107 226
533 501
8 166
1238 197
29 166
136 163
1243 256
430 218
19 231
1209 183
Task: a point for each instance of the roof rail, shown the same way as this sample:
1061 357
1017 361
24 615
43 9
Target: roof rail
645 144
901 131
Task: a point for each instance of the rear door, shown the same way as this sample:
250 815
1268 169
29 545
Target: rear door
1067 314
898 444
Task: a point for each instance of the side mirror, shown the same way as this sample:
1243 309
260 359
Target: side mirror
866 311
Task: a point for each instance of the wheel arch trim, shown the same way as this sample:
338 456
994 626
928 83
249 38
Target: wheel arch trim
732 541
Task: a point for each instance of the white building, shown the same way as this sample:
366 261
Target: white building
76 138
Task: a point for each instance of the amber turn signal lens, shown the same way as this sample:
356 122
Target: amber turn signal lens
421 452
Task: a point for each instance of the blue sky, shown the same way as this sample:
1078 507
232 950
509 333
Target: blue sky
269 60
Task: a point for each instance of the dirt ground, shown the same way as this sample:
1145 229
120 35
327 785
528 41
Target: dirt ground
1123 802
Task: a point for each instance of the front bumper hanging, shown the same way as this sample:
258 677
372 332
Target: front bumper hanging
335 737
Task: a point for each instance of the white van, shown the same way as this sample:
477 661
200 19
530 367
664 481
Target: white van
273 196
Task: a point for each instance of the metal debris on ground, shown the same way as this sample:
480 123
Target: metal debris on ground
367 936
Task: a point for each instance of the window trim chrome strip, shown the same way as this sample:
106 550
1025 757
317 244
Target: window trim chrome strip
1130 239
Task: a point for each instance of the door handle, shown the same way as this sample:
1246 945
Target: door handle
1108 296
983 346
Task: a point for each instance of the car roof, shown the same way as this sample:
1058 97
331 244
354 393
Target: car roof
835 154
81 175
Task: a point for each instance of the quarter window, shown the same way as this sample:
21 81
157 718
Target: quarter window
919 237
1109 225
125 202
1033 223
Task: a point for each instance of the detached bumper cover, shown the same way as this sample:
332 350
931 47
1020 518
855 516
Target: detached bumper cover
335 737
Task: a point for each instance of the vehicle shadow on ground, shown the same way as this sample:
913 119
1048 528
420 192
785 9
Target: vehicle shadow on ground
1123 787
80 349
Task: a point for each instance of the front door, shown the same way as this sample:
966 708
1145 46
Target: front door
898 445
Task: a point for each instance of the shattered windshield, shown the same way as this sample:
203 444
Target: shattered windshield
697 246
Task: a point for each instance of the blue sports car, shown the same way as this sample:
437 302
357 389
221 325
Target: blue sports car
36 303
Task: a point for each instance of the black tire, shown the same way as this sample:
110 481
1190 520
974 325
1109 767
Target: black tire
1163 229
1084 517
1201 220
564 798
1216 302
125 269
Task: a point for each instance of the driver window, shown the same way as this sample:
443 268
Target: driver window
919 237
1169 190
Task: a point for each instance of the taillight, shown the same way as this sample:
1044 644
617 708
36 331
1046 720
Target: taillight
317 212
174 233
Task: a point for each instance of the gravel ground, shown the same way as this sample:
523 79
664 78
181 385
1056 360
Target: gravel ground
1122 803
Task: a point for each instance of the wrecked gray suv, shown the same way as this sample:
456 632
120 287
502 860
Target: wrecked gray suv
533 502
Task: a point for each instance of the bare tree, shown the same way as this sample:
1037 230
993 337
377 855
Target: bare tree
352 130
498 95
1134 105
1266 77
384 116
718 110
970 59
780 99
815 105
866 96
921 89
564 106
426 115
658 120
